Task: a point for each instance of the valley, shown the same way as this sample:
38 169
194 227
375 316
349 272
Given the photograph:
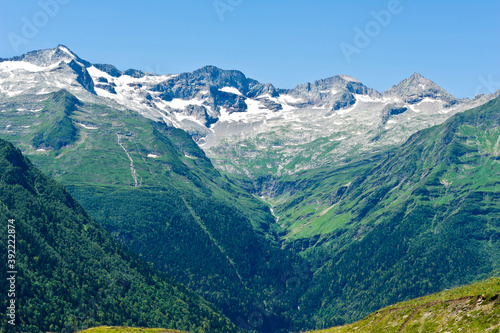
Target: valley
284 209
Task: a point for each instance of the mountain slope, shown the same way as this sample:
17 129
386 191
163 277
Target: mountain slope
155 190
421 218
472 308
67 265
59 130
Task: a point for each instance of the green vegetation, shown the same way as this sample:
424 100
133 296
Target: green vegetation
415 220
393 226
59 130
472 308
171 207
107 329
68 266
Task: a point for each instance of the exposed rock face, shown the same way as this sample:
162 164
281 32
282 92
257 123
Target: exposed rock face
415 88
391 110
83 76
109 69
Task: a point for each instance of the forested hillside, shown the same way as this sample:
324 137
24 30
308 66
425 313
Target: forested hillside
154 190
415 220
68 266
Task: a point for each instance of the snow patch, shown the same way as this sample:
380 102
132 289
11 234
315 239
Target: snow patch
231 90
289 99
20 65
88 127
153 155
346 111
96 73
391 100
413 108
224 115
253 106
65 50
348 78
181 118
287 107
365 98
429 100
178 103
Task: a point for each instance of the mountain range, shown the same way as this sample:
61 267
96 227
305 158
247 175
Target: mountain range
236 119
287 209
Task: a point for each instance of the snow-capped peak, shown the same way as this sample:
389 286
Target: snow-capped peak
64 49
349 78
49 57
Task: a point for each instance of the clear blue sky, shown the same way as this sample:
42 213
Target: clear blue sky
285 42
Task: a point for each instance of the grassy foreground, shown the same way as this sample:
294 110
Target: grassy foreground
471 308
116 329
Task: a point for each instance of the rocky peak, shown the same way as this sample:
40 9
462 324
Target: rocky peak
109 69
49 57
334 92
415 88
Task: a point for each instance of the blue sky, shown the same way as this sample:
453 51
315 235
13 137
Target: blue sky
454 43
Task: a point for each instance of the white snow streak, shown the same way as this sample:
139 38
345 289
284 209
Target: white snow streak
132 170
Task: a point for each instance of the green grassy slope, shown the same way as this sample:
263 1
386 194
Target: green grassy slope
472 308
416 220
154 189
68 266
58 130
107 329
